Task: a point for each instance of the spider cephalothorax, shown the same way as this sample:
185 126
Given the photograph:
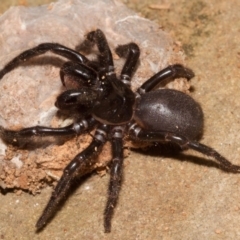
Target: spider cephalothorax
106 102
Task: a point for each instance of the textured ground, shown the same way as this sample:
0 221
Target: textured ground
183 197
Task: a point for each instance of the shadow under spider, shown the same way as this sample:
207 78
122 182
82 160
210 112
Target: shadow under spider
169 150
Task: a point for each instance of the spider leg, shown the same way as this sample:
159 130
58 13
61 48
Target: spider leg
74 98
115 176
105 57
131 52
79 73
145 135
41 49
168 73
79 166
23 135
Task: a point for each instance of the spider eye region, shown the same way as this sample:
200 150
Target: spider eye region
116 104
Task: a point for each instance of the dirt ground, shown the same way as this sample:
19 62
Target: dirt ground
180 197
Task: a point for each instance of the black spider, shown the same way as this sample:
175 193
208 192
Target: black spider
107 103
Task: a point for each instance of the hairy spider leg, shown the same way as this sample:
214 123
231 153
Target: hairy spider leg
41 49
168 73
138 133
105 57
81 74
73 98
131 52
115 175
23 135
79 166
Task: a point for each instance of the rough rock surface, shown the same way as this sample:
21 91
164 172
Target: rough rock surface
28 93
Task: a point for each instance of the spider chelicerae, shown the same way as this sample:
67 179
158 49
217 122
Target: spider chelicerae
106 102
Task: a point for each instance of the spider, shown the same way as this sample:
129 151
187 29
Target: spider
106 103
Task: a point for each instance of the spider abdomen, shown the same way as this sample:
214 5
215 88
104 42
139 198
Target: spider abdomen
171 111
